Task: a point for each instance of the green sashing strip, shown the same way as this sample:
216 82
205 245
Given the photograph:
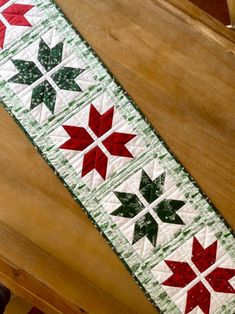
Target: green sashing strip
168 197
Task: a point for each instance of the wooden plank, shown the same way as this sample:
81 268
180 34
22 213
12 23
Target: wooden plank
184 93
18 306
36 205
231 7
216 8
46 269
178 65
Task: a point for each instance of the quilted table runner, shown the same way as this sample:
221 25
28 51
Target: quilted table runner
167 233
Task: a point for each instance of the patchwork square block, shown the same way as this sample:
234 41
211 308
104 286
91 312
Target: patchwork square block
199 276
16 18
47 75
117 168
97 141
149 208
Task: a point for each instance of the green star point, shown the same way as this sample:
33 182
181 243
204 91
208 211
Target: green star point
146 226
151 189
166 211
44 93
131 205
65 78
28 72
50 57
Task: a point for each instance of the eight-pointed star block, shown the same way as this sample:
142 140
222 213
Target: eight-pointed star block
47 75
16 18
199 276
148 208
97 141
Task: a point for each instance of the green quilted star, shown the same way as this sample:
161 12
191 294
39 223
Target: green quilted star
28 72
65 78
166 211
146 226
131 205
50 57
151 190
44 92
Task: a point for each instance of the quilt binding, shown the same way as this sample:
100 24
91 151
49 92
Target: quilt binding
170 152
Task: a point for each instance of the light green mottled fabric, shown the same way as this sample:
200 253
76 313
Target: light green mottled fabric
116 166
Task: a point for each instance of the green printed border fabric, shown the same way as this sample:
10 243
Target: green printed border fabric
168 234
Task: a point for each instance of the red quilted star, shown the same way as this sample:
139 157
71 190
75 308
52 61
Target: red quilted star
2 34
183 274
80 140
198 295
100 123
95 159
2 2
116 142
14 14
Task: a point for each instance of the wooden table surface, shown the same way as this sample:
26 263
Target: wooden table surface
178 64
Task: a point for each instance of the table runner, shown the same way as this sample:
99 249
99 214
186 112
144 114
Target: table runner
118 169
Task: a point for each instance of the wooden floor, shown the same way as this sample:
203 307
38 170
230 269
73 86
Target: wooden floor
17 306
216 8
178 64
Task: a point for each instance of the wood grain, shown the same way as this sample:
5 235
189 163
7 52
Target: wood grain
231 7
216 8
178 65
18 306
